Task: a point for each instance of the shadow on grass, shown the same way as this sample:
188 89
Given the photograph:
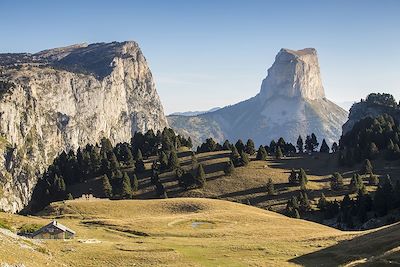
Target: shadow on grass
369 245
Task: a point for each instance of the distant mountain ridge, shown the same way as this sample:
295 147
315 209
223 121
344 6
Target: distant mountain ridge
291 102
193 113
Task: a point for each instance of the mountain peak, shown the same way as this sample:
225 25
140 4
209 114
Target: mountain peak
295 73
299 53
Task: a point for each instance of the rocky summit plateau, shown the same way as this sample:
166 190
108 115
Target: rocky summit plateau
291 102
63 98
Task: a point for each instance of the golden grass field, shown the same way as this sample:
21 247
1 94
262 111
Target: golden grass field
206 232
190 232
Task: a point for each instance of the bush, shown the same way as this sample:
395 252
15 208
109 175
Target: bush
4 224
28 229
229 168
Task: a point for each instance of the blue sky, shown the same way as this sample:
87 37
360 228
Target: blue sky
214 53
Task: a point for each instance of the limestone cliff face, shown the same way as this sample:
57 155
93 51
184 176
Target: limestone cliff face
294 74
291 102
64 98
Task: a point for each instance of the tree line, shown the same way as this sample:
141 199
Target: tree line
117 166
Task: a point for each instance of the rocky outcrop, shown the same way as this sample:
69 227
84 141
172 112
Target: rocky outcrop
63 98
372 108
291 102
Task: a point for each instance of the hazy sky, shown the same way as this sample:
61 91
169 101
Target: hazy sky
214 53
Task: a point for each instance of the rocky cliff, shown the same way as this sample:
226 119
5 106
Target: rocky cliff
63 98
373 106
291 102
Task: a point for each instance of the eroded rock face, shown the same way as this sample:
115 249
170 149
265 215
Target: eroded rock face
64 98
294 74
291 102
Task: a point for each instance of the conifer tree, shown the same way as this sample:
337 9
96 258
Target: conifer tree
235 157
200 176
322 202
229 168
126 191
278 153
367 167
293 177
314 142
163 161
250 148
270 187
194 161
160 190
173 160
139 155
240 146
304 202
261 153
70 197
139 165
300 144
324 147
244 158
335 147
107 189
303 179
135 183
226 145
373 151
373 179
356 184
336 181
189 142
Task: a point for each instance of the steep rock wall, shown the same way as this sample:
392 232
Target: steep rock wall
64 98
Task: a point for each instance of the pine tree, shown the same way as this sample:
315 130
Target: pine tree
194 161
278 153
293 177
107 189
70 197
235 157
240 146
324 147
244 158
200 176
367 167
226 145
270 187
106 145
314 142
261 153
322 202
336 181
173 160
250 148
373 151
373 179
189 143
303 179
300 144
126 191
163 161
139 155
139 165
304 202
135 183
335 147
229 168
356 184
